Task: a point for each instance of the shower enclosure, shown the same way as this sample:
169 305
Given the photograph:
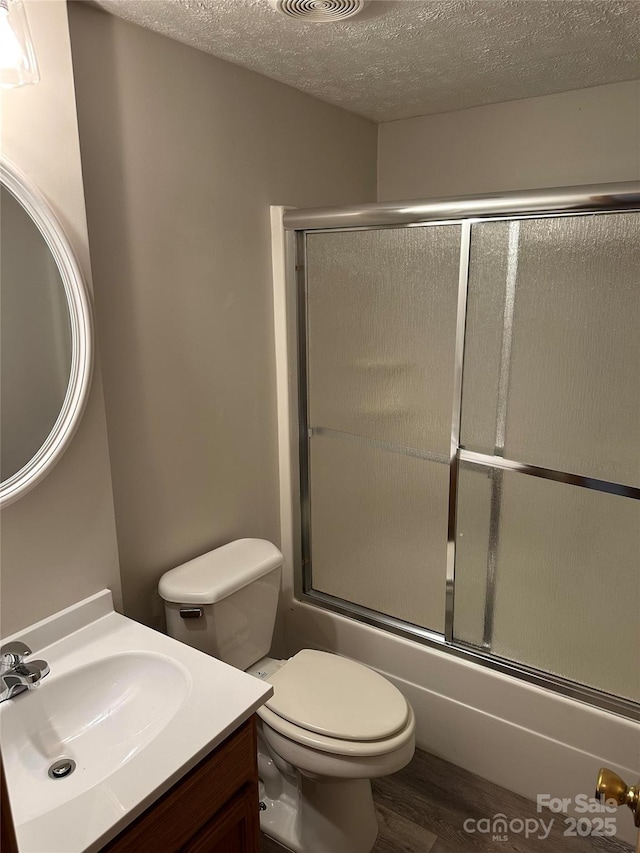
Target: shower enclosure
469 428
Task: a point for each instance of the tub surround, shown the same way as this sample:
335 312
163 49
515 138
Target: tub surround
214 701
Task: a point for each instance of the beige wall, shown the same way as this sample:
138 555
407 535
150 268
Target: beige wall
581 137
58 543
182 155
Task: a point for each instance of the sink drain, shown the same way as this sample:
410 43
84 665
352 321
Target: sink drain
63 767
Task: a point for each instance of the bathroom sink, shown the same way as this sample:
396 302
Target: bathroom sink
99 716
133 709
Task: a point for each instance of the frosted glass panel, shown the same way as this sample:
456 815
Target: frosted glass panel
379 529
567 576
381 333
483 339
573 400
472 544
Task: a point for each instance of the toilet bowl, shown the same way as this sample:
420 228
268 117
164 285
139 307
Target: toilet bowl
332 724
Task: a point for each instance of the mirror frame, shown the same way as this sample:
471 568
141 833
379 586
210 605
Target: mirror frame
82 338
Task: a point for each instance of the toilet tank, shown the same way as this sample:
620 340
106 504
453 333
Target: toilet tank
224 602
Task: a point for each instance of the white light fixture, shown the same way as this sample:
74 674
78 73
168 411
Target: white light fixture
18 64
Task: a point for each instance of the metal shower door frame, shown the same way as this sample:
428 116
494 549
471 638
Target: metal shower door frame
464 212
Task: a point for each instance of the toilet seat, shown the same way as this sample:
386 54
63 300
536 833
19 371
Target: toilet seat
337 705
352 748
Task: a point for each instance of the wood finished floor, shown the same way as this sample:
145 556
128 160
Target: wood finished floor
422 809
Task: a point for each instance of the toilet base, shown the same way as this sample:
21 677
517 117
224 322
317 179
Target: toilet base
315 815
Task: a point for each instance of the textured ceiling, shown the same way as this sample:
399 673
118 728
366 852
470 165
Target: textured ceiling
409 57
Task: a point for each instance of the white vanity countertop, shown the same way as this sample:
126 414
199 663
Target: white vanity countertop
87 644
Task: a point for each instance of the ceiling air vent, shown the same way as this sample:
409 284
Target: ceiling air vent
319 11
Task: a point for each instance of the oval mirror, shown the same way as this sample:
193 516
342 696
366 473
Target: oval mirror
46 337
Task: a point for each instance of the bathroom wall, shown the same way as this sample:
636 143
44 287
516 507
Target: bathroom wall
58 542
182 156
580 137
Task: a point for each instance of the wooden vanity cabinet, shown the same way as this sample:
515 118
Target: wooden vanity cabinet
213 809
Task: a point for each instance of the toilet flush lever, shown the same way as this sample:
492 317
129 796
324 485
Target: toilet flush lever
191 612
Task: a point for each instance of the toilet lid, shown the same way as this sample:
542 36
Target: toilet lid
337 697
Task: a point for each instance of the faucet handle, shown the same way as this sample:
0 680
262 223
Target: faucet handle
12 654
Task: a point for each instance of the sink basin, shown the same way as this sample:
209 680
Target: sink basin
99 715
134 709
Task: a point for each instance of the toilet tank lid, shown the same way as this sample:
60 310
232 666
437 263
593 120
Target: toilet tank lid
218 573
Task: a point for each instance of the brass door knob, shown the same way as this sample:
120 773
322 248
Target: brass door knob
611 787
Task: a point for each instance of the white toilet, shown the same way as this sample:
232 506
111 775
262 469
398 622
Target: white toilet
331 725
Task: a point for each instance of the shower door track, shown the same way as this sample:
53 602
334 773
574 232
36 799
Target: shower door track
594 198
513 206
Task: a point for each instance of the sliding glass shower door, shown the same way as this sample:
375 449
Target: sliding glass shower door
548 551
532 518
381 311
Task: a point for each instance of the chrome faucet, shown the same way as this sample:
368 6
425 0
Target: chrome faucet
17 676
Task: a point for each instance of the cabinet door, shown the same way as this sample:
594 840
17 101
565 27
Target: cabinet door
235 829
